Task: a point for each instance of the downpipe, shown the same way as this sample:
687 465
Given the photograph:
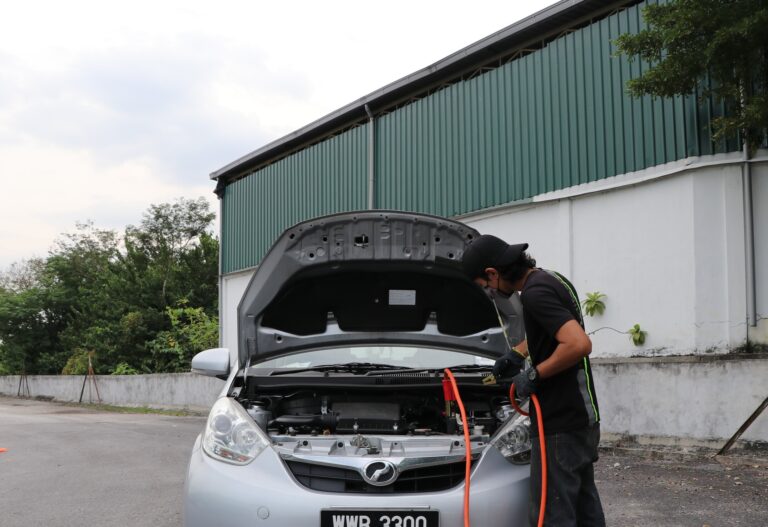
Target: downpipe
371 157
749 241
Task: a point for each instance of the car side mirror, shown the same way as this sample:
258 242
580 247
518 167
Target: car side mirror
212 363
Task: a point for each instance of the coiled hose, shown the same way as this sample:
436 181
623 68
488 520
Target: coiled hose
468 446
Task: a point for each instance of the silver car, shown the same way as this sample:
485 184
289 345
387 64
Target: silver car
335 412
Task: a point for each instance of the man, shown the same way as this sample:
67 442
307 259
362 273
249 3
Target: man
560 376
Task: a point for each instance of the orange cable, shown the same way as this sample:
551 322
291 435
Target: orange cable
467 445
542 447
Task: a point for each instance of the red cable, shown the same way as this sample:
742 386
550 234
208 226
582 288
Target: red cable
542 447
467 445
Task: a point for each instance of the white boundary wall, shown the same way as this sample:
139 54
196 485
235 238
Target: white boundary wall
704 398
667 247
163 390
686 399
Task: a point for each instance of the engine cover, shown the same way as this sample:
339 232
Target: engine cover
367 417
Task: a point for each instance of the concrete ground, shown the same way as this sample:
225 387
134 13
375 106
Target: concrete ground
71 466
682 491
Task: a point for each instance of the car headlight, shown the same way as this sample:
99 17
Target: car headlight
231 435
513 439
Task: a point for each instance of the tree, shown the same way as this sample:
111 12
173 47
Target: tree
100 293
166 233
192 330
26 330
718 47
79 278
22 275
170 260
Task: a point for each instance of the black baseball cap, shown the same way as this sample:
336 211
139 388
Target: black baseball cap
489 251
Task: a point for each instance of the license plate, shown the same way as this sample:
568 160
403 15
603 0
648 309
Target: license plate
383 518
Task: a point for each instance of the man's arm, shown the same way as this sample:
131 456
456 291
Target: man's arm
573 345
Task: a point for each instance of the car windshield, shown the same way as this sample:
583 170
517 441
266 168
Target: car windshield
397 356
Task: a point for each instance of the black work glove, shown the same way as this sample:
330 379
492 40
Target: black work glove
525 382
508 365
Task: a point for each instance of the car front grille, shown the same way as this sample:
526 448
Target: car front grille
335 479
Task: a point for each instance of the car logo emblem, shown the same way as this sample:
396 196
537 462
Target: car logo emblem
380 473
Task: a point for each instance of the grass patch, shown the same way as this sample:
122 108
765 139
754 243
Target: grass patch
133 409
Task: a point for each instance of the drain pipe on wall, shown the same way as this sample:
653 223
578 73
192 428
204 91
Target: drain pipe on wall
371 157
749 235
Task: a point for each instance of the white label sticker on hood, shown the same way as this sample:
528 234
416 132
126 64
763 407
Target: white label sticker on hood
402 297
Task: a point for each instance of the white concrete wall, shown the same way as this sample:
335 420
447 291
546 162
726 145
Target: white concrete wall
669 253
170 390
232 288
666 245
695 398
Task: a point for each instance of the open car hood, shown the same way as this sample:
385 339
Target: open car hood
372 277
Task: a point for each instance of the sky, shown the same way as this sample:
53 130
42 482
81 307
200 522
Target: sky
108 107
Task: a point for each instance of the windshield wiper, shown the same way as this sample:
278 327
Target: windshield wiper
469 367
349 367
461 367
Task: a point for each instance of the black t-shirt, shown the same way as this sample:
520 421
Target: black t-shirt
568 400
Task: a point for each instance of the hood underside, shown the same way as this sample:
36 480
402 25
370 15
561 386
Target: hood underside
373 277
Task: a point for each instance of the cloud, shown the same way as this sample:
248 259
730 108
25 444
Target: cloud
106 108
138 102
52 188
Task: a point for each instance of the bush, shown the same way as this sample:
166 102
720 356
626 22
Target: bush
77 363
124 368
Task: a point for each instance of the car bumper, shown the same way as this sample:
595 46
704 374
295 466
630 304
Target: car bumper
264 493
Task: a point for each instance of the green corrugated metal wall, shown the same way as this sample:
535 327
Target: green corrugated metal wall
553 118
325 178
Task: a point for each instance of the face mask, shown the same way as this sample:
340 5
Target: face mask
494 294
489 293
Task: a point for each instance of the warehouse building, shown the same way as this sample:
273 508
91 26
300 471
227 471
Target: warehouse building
529 134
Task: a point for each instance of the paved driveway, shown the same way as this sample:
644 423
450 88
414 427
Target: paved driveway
69 466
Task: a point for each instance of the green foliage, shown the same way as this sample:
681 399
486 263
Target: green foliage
109 294
169 238
29 325
192 331
21 276
77 364
718 47
125 369
637 335
594 304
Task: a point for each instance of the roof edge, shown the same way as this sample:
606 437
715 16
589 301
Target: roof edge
537 26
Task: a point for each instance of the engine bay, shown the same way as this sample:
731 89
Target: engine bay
420 410
343 432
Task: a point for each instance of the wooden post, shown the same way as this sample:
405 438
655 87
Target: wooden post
92 377
743 428
23 390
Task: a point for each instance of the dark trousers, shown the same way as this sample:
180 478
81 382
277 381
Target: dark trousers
572 498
